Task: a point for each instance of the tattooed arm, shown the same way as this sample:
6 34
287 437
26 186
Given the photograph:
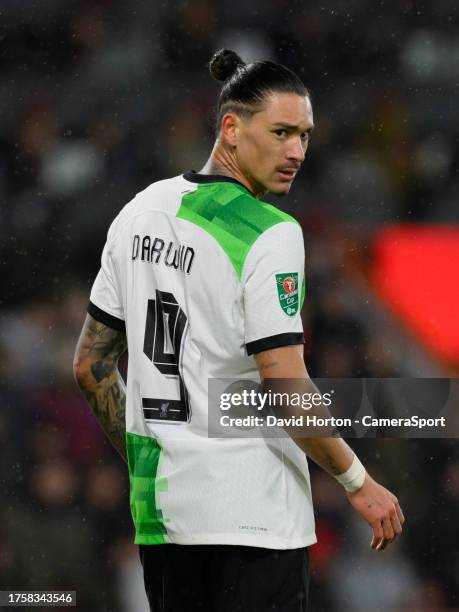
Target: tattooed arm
375 504
95 367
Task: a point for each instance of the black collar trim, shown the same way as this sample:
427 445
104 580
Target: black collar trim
195 177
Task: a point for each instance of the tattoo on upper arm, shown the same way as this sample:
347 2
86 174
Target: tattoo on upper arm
266 362
284 361
100 370
269 366
98 351
101 341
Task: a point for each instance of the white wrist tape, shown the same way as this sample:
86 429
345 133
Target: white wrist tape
352 480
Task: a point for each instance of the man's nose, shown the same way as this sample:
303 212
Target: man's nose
297 150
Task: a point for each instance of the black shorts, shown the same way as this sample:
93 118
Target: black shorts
217 578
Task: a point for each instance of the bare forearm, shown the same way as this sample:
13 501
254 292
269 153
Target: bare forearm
107 399
332 454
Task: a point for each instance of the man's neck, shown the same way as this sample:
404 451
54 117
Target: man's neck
223 162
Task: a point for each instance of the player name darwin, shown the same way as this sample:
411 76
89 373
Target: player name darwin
155 250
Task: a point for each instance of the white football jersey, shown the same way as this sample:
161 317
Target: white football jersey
201 275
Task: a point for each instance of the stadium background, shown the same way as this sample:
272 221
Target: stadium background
97 100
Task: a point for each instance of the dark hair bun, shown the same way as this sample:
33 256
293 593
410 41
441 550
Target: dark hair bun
224 64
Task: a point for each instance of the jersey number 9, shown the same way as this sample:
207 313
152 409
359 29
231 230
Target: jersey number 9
164 330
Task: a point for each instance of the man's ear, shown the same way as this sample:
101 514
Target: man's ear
230 129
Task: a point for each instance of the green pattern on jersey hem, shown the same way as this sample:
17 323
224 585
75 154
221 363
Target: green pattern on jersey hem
232 216
143 458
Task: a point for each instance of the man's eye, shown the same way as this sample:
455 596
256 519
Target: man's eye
280 132
305 136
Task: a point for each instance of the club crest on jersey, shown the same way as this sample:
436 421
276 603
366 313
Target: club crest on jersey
287 292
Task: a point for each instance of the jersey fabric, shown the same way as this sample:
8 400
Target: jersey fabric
201 275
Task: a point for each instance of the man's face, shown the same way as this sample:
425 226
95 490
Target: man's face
271 145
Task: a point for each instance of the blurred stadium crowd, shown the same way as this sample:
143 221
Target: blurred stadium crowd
97 100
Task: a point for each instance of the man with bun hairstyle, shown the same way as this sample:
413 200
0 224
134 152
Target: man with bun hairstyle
201 280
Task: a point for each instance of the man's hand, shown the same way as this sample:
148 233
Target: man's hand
380 508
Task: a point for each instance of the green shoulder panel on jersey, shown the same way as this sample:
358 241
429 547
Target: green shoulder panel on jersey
303 292
232 216
143 458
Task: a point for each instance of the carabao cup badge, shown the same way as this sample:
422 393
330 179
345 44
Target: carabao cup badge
287 292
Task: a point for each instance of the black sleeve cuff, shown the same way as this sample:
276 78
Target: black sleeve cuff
272 342
105 318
